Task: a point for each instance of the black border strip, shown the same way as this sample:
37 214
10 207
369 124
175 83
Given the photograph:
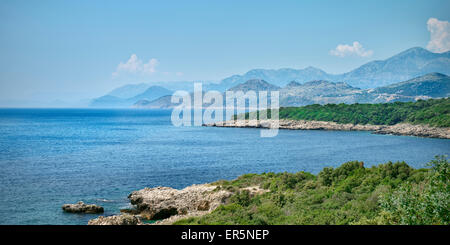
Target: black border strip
279 232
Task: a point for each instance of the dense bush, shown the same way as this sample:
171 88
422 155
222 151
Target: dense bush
434 112
425 202
390 193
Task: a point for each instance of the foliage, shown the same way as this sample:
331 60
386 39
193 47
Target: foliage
390 193
434 112
421 203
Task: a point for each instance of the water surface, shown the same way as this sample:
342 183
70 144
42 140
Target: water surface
49 157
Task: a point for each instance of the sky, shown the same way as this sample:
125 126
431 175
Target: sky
76 50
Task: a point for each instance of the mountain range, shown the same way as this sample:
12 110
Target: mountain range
432 85
406 65
378 75
151 93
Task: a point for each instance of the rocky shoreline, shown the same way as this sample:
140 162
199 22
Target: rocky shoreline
166 205
397 129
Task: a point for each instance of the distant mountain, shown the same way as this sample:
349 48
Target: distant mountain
293 84
110 101
163 102
432 85
319 88
278 77
151 93
348 87
318 92
255 85
129 90
294 94
403 66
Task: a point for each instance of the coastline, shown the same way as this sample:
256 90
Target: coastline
359 192
404 129
165 205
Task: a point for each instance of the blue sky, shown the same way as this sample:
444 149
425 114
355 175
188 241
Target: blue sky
73 49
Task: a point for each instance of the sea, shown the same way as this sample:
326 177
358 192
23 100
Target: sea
49 157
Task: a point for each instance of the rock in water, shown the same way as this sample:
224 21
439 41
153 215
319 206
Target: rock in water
124 219
80 207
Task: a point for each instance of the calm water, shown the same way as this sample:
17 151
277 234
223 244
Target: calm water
49 157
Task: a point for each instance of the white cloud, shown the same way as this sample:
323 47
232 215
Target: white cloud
357 49
439 35
136 66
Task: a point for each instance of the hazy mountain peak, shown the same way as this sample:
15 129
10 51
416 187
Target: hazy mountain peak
432 85
156 88
254 84
129 90
406 65
257 81
432 75
313 69
415 50
293 84
151 93
318 82
278 77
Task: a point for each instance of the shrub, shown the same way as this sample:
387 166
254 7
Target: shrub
390 193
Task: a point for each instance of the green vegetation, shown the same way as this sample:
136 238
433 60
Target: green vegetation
434 112
391 193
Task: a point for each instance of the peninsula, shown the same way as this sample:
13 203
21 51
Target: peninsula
423 118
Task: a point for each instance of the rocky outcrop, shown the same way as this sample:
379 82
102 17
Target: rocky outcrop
207 202
123 219
166 205
163 202
398 129
81 207
294 124
415 130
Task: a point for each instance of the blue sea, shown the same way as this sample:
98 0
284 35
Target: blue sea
49 157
